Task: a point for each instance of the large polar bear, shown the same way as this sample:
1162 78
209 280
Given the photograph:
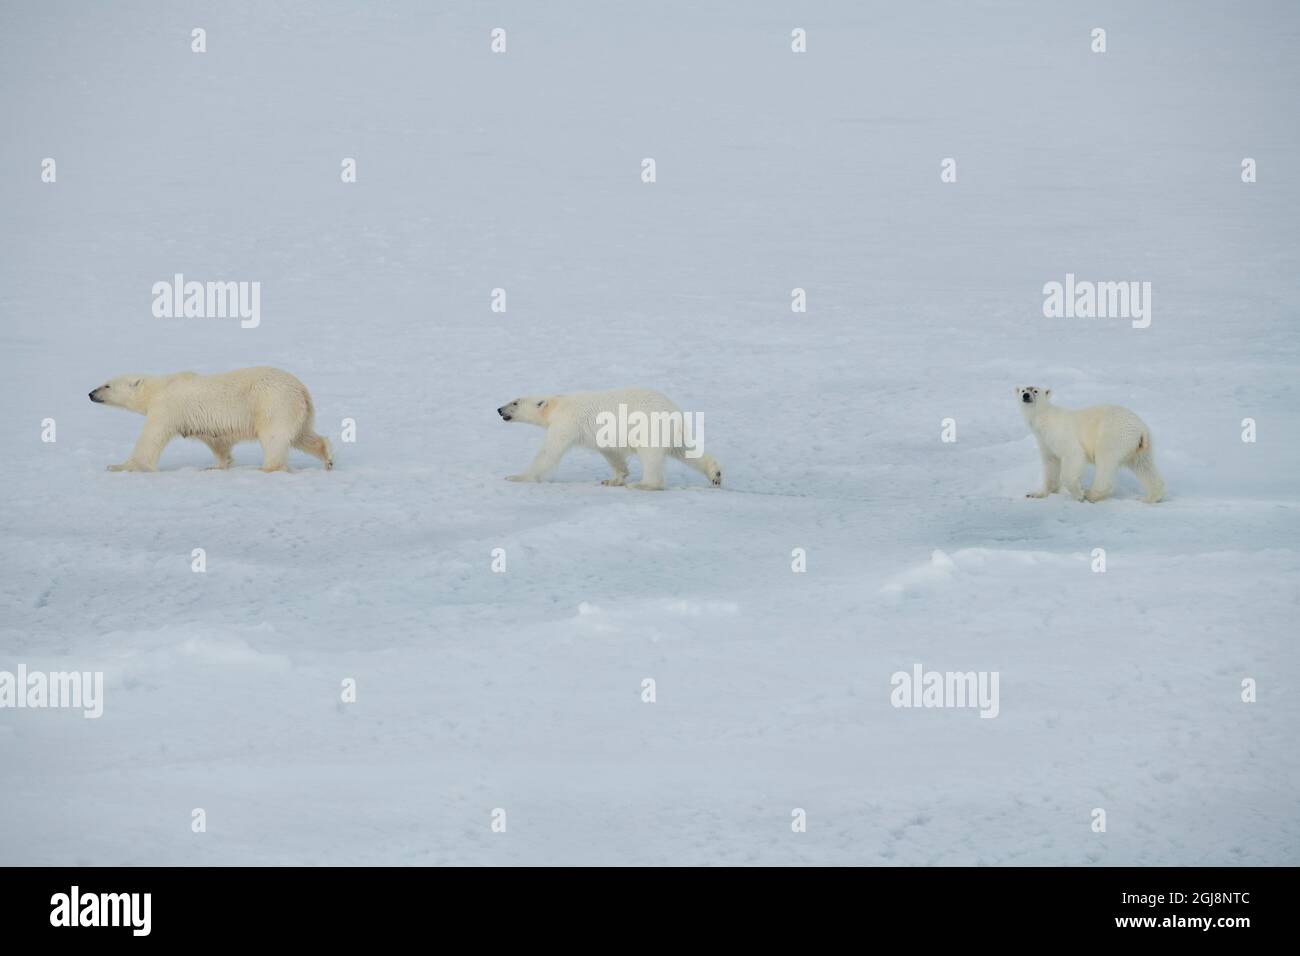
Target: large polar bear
1105 436
262 404
591 420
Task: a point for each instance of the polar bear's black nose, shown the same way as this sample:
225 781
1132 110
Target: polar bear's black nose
1027 398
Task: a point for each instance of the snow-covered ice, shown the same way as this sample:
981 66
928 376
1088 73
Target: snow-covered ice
523 690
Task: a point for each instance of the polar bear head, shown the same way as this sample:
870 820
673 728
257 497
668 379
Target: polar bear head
533 409
123 391
1031 397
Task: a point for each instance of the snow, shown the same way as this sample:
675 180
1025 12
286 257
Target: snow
523 690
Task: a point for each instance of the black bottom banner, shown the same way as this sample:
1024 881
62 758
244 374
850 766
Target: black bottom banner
335 906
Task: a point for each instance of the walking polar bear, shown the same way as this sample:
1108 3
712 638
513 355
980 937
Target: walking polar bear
615 423
262 404
1105 436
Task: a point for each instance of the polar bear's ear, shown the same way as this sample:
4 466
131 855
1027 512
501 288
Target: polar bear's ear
1047 393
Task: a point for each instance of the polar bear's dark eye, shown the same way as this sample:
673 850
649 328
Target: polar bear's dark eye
540 404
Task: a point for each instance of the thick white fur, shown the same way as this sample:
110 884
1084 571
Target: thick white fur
571 420
251 404
1105 436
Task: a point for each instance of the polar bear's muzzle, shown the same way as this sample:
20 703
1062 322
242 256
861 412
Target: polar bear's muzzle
1027 398
94 397
503 413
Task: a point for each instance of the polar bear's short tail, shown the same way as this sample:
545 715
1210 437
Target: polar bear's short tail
1144 467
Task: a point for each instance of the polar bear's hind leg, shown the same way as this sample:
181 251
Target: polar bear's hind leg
1143 465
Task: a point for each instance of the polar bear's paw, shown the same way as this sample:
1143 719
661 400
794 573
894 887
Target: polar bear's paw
715 477
1035 494
129 466
643 486
520 478
615 481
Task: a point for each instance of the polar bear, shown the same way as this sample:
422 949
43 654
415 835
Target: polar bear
263 404
614 423
1105 436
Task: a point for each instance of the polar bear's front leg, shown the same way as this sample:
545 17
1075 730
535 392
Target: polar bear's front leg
1072 475
1051 476
148 447
1103 476
652 469
617 459
275 450
220 450
554 446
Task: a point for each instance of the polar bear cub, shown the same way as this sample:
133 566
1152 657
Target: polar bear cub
1105 436
652 428
262 404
